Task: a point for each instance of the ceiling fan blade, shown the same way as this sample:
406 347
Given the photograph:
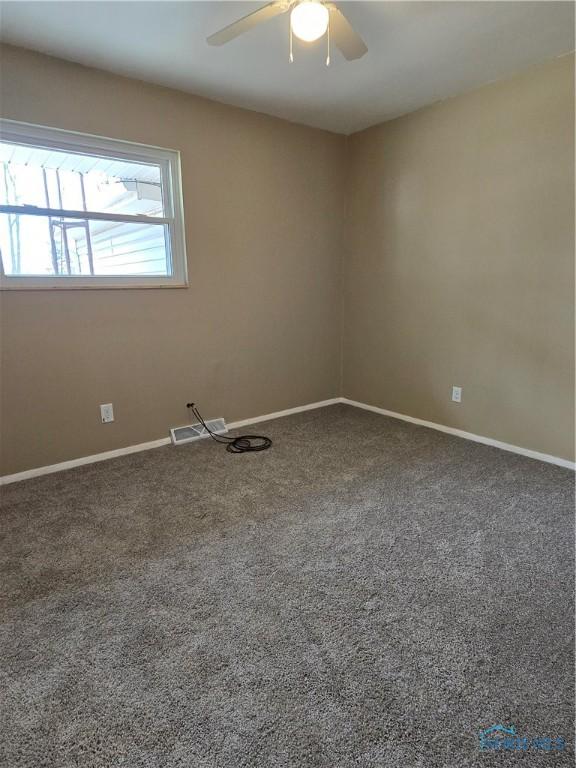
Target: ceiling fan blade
247 22
344 36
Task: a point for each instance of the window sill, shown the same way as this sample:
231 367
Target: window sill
100 287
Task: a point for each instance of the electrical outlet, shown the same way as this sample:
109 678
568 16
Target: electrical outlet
456 394
107 413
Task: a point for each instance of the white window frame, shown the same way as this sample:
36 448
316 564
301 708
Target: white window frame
169 162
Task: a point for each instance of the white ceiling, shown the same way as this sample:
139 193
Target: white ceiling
419 52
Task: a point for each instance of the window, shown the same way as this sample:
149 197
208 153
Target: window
79 211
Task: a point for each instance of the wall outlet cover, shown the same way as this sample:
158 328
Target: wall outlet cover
456 394
107 413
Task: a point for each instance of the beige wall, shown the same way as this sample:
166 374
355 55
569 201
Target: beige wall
460 262
259 328
458 269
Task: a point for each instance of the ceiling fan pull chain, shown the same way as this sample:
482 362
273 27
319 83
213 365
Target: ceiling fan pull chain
291 54
328 44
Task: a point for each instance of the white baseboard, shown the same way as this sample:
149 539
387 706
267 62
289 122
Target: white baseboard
466 435
38 471
287 412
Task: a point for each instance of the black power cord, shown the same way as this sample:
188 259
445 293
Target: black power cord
241 444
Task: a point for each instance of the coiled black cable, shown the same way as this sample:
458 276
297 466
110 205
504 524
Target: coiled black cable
241 444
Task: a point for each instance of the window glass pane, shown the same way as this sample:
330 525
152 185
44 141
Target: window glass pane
57 246
129 249
50 178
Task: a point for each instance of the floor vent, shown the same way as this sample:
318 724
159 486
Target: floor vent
196 431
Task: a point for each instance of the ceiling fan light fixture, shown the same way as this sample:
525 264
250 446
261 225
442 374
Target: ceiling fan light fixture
309 20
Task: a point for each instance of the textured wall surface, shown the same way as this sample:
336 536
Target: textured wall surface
460 263
458 249
257 331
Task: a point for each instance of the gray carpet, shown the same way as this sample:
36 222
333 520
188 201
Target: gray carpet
366 594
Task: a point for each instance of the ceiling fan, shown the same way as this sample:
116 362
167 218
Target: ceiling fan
309 21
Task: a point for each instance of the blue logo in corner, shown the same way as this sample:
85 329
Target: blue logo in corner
502 737
489 737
